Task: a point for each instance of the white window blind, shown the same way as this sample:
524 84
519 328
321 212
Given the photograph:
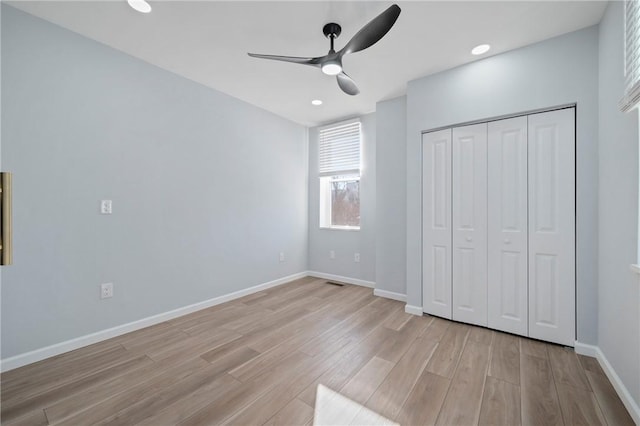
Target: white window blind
340 149
631 55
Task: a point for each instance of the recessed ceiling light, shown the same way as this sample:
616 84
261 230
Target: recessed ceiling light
479 50
140 5
316 102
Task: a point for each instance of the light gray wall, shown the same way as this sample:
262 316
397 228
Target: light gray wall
619 288
206 189
391 199
554 72
345 243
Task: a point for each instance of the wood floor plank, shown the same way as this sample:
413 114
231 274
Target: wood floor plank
103 391
154 349
339 374
237 400
269 403
590 364
579 406
248 319
351 301
612 407
397 319
539 399
566 367
424 401
274 321
33 418
264 342
208 330
366 381
292 299
505 358
146 335
253 298
8 378
42 400
445 359
500 404
467 385
172 394
480 336
360 326
136 392
362 322
390 396
195 324
393 349
533 348
188 404
295 412
195 345
31 384
437 328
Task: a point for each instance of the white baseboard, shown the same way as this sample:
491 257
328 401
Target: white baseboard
342 279
585 349
621 389
413 310
390 295
89 339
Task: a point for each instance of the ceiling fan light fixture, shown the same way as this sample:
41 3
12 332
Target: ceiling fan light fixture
480 49
331 68
331 63
140 5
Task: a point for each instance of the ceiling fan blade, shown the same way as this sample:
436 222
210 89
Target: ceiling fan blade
347 85
371 33
294 59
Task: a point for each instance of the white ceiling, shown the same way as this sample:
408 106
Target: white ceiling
208 41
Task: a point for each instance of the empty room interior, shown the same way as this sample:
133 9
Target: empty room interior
319 212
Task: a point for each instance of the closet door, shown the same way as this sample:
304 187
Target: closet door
469 152
436 223
551 145
507 225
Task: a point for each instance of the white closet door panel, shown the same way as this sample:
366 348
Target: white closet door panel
551 146
469 191
436 223
507 225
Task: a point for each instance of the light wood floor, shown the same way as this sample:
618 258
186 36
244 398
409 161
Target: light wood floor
259 359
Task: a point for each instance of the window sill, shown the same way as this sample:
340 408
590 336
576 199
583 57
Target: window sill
338 228
635 268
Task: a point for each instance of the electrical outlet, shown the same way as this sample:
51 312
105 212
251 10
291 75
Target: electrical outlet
332 254
106 290
105 207
281 256
356 257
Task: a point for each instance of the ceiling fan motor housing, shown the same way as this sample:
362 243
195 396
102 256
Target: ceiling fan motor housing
332 29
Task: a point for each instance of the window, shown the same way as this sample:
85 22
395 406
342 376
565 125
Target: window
631 55
339 158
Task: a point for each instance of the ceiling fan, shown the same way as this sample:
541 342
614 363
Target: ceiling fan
331 63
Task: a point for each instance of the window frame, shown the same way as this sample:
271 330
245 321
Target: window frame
325 201
631 35
324 210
